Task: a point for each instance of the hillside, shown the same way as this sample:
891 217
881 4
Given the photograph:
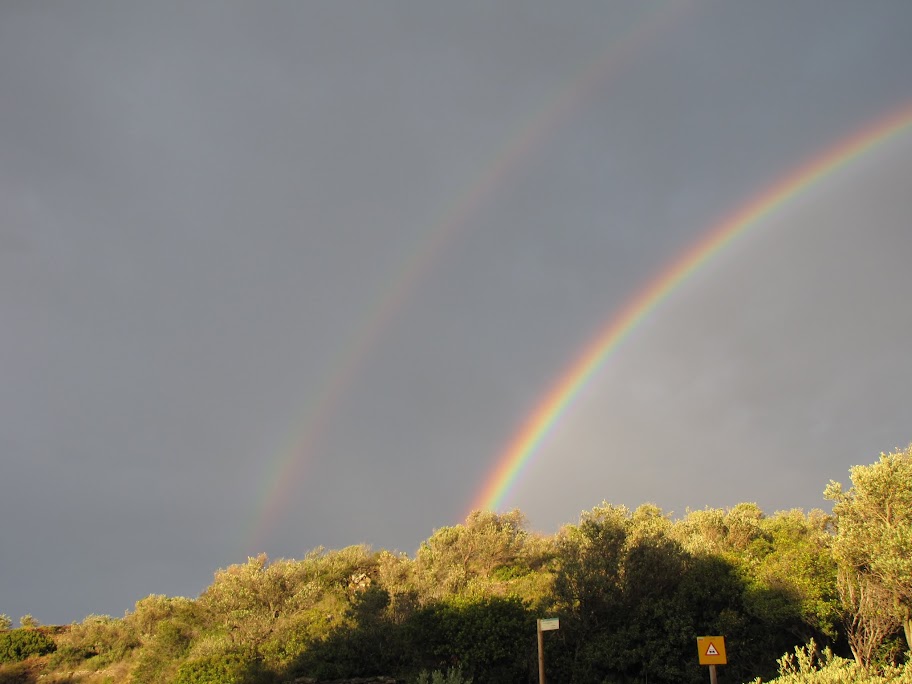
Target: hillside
632 590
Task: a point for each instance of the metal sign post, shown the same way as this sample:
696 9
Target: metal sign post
544 625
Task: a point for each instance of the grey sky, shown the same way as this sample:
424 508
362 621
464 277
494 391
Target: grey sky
203 203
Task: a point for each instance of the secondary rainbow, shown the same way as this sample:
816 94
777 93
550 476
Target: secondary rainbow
282 473
560 397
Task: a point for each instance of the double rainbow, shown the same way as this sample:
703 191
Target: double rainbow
282 473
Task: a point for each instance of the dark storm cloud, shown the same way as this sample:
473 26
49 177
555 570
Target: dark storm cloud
203 203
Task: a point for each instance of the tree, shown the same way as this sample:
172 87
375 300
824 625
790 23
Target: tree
869 617
491 639
456 557
873 548
28 622
591 559
251 600
800 566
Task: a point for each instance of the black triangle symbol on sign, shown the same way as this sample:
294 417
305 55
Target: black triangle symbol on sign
711 650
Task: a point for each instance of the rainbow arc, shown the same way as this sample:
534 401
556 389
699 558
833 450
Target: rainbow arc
560 397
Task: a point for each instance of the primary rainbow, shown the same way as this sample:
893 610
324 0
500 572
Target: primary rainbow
561 395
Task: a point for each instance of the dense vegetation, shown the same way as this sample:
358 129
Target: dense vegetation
632 590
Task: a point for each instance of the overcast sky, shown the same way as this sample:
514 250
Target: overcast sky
277 275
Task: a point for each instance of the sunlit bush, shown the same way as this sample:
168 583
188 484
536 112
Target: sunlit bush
99 638
451 676
226 668
808 665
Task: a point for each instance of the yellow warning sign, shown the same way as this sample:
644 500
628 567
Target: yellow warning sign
711 650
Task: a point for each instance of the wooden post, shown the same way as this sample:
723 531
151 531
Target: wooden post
712 675
541 654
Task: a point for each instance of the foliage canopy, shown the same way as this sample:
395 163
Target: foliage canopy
632 590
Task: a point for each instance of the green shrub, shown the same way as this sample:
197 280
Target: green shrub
451 676
155 609
492 638
69 656
152 668
227 668
810 666
159 658
293 637
101 638
19 644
